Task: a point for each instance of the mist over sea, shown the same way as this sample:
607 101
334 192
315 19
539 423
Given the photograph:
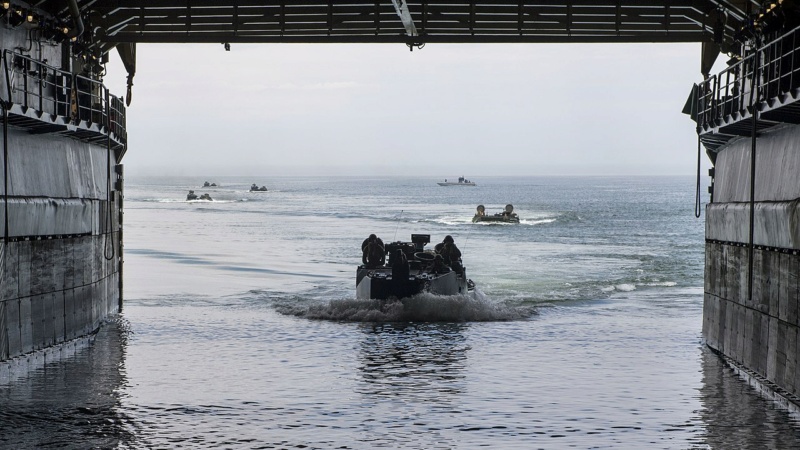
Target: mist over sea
240 326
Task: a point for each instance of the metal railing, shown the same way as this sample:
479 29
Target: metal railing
729 92
116 118
91 98
34 84
49 90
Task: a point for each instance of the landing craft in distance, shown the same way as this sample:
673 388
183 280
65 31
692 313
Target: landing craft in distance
193 196
461 182
507 216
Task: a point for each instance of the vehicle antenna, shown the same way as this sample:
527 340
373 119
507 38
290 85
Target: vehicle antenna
464 245
398 225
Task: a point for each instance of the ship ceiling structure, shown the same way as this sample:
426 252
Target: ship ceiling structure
94 27
124 23
401 21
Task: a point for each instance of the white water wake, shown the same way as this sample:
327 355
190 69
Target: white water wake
472 307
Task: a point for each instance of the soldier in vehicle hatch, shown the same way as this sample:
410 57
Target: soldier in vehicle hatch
399 266
450 253
373 253
439 266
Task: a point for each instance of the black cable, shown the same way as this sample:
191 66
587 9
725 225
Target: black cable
697 203
753 136
4 105
109 217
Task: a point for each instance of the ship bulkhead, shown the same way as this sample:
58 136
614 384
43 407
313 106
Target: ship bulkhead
63 138
748 118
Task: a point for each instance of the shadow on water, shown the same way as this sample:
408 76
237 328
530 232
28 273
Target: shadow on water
72 402
210 261
737 416
423 362
412 373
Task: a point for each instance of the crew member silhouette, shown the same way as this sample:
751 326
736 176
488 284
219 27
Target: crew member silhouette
450 253
400 269
373 253
439 266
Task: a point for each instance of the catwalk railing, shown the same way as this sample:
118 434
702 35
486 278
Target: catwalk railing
79 100
727 96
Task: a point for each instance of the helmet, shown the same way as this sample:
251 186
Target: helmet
448 238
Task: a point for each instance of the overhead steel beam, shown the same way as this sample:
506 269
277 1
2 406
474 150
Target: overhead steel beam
420 21
368 37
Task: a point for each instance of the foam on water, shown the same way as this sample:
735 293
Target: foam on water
177 200
448 220
451 220
210 201
536 221
472 307
662 283
630 287
623 287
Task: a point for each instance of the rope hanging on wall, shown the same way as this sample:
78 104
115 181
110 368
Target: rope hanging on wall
753 136
697 204
4 105
110 198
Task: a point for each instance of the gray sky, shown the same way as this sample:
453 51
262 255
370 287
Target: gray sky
445 110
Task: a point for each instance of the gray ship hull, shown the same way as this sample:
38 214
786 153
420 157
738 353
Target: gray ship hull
60 265
61 253
753 320
751 309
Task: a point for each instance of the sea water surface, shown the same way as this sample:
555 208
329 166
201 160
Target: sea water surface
240 326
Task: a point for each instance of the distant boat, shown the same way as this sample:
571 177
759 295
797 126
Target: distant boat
461 182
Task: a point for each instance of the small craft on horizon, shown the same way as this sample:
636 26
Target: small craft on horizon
461 182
